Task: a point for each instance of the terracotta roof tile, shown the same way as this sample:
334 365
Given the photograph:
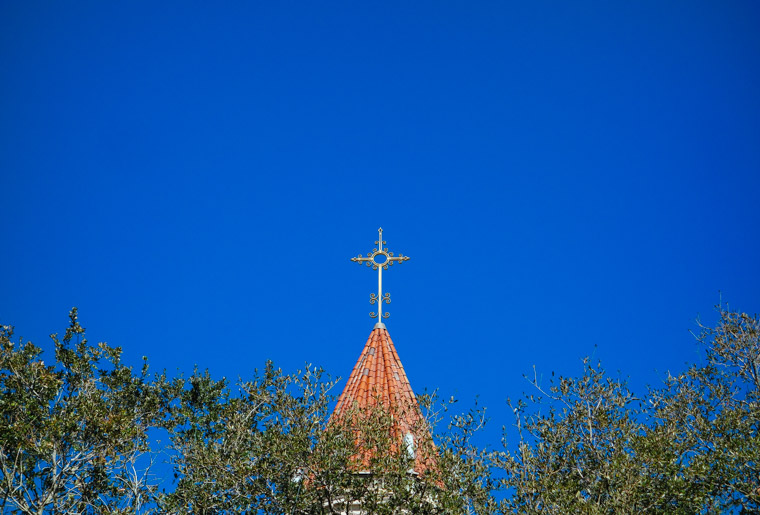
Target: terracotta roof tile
379 375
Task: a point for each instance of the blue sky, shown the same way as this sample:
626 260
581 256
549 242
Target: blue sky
569 179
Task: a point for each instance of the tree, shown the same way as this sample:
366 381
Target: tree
74 438
691 445
244 452
73 435
271 447
704 439
576 452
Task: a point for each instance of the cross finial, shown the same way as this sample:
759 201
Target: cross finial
379 259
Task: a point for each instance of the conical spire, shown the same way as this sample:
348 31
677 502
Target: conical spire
378 375
378 380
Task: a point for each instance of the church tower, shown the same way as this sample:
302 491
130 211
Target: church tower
378 379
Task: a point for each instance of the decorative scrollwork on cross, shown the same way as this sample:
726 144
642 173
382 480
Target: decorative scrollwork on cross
380 259
373 298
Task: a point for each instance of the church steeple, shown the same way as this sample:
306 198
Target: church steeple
378 379
378 376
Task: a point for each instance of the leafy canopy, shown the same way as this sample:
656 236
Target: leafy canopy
75 437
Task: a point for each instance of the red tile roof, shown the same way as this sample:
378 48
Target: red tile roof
378 374
379 378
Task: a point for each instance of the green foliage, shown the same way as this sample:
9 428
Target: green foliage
74 438
269 448
72 433
707 422
241 452
690 446
577 452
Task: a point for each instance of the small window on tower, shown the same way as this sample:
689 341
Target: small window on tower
409 442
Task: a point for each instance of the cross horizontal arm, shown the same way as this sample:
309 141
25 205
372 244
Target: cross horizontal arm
379 259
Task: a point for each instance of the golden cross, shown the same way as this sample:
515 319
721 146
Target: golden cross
379 259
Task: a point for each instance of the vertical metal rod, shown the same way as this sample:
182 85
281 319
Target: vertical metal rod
380 278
